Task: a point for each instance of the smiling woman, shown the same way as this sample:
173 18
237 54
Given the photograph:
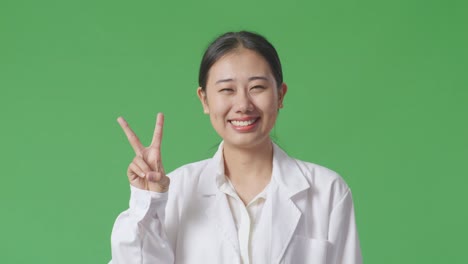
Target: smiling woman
251 202
242 98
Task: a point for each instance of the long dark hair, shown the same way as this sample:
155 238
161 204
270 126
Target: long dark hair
232 40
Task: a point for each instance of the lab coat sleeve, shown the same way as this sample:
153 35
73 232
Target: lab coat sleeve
138 235
343 233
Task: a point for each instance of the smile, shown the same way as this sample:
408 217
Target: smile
243 123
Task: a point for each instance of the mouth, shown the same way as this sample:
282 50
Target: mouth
244 125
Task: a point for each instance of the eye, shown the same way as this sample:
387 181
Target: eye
226 90
258 88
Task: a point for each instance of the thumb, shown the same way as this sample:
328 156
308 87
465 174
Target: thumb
158 181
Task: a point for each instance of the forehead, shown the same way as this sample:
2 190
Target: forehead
238 64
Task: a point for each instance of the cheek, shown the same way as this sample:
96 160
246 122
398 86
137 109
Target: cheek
269 105
270 111
218 110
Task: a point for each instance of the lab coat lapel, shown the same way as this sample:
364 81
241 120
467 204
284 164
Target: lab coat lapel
289 181
217 205
223 220
285 217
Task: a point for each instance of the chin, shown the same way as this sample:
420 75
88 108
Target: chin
246 142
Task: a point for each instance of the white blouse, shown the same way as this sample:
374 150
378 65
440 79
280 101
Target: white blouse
251 225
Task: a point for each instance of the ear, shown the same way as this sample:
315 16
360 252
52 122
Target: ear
281 93
202 96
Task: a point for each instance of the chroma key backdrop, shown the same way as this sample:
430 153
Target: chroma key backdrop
378 91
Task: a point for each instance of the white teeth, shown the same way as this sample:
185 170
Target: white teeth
242 123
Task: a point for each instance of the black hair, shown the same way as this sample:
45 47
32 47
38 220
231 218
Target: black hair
233 40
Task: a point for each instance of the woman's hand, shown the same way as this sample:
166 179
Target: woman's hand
146 171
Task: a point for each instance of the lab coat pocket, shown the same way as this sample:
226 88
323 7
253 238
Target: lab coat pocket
307 250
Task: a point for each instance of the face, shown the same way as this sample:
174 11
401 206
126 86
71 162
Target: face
242 98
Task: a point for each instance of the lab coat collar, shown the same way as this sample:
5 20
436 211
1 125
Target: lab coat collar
288 181
209 178
286 173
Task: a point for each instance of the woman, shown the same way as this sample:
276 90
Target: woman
250 203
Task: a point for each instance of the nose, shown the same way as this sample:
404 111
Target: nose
243 103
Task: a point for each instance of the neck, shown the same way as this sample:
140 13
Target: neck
252 165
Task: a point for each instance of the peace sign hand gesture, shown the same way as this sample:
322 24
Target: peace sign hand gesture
146 171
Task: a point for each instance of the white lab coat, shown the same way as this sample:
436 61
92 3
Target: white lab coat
310 207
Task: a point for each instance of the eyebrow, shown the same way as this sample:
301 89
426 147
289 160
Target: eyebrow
253 78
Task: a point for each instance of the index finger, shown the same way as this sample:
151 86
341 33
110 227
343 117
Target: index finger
158 130
131 136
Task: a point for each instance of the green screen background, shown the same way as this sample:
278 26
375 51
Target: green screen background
377 92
